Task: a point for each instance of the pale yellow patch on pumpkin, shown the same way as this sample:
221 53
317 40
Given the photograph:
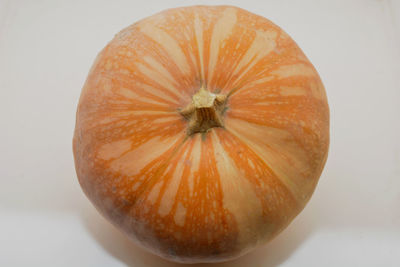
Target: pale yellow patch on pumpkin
318 90
239 196
262 80
263 44
170 45
292 91
171 190
154 193
142 155
157 92
223 29
180 215
160 79
158 67
194 162
279 151
293 70
198 29
131 94
114 149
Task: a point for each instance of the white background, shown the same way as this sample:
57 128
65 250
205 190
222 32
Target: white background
46 50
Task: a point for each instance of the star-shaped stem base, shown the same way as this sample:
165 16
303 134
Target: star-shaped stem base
205 111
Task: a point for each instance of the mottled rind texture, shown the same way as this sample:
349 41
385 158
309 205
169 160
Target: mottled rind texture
208 196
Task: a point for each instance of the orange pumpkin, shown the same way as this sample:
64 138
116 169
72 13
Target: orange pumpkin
201 132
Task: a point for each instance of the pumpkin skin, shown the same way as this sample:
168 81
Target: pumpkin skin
214 193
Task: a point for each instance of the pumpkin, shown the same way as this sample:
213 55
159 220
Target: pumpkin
201 132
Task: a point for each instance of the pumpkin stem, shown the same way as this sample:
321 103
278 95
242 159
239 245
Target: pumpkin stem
205 111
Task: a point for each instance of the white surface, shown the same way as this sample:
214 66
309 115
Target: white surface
46 50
